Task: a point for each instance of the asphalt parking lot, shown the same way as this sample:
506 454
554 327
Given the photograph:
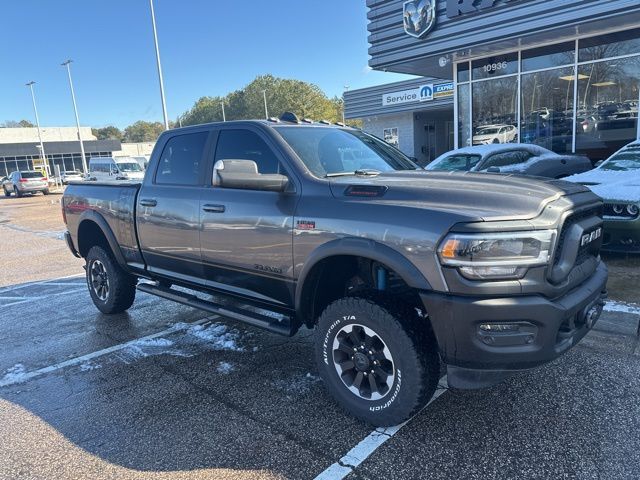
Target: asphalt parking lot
165 391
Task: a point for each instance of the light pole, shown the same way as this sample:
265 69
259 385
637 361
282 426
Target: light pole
155 39
346 89
35 111
75 110
224 117
266 112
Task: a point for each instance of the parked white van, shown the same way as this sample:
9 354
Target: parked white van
110 168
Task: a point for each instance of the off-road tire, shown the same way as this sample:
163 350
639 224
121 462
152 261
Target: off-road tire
409 340
121 290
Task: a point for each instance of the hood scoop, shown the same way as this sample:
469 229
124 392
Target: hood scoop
365 190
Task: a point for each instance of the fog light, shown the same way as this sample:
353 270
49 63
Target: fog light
500 327
507 334
493 273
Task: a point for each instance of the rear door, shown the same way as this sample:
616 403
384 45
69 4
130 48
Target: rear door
168 208
247 235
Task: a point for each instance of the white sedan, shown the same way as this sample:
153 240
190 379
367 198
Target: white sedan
495 134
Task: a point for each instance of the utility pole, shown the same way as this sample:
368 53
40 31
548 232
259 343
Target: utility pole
346 89
155 40
75 109
35 111
266 112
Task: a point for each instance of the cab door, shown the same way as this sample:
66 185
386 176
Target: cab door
168 208
247 235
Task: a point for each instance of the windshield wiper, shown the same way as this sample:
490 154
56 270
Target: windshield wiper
364 172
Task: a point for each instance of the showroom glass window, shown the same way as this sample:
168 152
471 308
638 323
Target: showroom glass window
464 113
547 92
608 93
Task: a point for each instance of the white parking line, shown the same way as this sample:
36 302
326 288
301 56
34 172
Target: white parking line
363 450
21 378
40 297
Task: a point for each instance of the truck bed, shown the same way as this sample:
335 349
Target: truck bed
111 202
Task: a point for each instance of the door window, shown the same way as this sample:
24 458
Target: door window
506 158
181 160
246 145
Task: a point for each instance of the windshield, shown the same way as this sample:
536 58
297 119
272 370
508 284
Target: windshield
454 163
328 151
626 160
129 167
30 174
488 131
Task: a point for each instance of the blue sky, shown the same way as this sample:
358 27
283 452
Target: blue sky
207 47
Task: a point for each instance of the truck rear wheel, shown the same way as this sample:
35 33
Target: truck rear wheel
111 288
377 358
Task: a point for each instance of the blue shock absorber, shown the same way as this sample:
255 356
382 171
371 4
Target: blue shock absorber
382 279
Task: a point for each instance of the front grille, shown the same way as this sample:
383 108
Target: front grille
585 252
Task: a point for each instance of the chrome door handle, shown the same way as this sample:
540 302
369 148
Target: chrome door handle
213 208
148 202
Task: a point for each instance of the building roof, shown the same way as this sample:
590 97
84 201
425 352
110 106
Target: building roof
52 148
367 102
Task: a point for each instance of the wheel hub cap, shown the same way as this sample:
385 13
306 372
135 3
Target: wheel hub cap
363 362
98 280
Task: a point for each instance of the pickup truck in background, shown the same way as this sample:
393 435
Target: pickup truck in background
285 224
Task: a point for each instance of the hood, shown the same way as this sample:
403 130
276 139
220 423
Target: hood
611 184
481 196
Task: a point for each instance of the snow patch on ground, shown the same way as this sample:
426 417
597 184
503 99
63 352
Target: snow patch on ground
297 384
622 307
155 346
89 366
216 336
225 368
14 374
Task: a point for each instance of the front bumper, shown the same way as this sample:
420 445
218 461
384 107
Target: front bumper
474 360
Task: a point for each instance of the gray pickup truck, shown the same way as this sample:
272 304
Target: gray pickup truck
284 224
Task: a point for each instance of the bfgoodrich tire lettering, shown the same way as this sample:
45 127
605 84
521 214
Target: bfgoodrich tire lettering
413 360
111 288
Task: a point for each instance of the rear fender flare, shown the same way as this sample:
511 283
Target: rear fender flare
103 225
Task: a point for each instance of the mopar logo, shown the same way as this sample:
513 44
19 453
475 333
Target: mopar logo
426 93
587 238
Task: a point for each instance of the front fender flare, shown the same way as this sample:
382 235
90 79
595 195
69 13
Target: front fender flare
361 247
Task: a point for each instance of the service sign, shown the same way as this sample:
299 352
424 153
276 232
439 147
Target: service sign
424 93
421 94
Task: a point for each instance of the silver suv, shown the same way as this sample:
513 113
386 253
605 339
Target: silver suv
29 181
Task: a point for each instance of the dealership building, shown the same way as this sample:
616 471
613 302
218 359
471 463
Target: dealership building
563 74
20 149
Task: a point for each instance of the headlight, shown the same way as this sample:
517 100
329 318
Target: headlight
632 210
618 209
496 256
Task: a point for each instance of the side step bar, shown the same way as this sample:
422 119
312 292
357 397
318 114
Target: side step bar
283 327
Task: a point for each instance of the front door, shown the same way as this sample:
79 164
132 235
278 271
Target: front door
247 235
168 209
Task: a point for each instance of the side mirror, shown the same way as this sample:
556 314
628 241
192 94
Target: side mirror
243 174
493 170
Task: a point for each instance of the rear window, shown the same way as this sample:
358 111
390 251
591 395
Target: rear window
30 174
181 160
455 163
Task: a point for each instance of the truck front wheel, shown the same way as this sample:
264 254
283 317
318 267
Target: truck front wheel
377 358
111 288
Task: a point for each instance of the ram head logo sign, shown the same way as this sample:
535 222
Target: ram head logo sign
419 17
